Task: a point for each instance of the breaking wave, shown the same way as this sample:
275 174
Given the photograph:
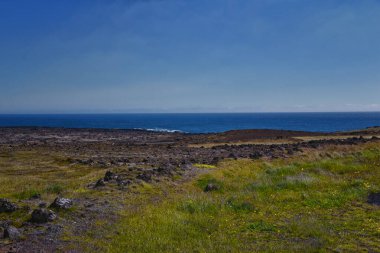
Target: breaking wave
160 130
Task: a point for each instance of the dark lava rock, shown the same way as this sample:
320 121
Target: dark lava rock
215 160
290 152
62 203
211 187
42 216
374 198
232 155
12 233
54 229
122 182
100 183
109 176
145 177
6 206
35 196
88 204
42 205
3 226
255 155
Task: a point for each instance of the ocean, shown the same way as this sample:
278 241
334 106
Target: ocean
200 122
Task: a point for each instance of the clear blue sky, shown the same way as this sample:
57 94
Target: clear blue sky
189 56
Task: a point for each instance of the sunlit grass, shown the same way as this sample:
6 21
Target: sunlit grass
306 204
25 175
204 166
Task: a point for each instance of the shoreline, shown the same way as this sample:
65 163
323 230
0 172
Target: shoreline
174 130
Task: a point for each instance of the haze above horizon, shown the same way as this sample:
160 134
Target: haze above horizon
189 56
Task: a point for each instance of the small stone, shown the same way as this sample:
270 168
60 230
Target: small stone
88 204
100 183
35 196
374 198
5 224
42 216
145 177
109 176
12 233
122 182
62 203
232 155
42 205
211 187
6 206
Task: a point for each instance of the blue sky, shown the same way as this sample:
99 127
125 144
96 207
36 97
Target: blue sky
189 56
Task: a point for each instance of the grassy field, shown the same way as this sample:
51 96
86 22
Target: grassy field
307 204
310 203
27 174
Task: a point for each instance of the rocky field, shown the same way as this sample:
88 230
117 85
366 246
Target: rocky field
81 190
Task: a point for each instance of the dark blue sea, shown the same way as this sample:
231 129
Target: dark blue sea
201 123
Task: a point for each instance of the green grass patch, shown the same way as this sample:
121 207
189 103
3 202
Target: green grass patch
208 179
197 206
261 226
295 205
27 194
204 166
54 188
240 205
